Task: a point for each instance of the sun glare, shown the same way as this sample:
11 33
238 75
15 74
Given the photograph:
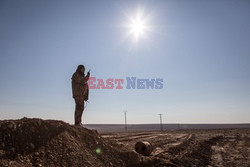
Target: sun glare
137 25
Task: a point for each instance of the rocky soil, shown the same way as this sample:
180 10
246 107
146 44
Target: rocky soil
192 148
37 142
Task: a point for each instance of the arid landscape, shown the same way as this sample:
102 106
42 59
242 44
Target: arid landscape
229 147
37 142
125 83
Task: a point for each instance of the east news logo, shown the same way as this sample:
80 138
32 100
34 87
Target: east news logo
129 83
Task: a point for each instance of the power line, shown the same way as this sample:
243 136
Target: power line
161 121
125 112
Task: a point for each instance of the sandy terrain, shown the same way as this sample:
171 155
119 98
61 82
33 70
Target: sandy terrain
229 147
37 142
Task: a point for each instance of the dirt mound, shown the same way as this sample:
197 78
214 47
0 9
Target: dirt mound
37 142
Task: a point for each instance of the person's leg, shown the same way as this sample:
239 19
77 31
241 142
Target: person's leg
78 111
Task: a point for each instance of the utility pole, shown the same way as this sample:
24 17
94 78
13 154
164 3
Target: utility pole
161 121
126 129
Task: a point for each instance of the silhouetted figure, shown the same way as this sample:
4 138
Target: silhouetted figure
80 92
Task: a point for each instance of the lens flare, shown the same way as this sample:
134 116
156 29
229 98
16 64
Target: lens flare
98 151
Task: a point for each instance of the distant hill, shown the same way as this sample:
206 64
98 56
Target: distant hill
156 127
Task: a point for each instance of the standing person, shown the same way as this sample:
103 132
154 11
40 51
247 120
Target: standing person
80 92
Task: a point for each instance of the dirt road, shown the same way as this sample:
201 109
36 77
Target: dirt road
229 147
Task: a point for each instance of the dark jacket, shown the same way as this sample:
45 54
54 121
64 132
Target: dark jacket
80 86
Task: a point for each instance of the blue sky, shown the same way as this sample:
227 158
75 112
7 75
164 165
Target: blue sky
201 49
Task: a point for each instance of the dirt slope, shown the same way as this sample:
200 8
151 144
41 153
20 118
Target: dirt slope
36 142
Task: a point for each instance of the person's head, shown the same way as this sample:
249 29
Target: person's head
81 68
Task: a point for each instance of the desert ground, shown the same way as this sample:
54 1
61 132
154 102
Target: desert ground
37 142
221 147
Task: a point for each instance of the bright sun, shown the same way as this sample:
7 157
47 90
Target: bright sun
137 25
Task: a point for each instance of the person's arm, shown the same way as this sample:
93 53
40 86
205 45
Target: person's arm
87 76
